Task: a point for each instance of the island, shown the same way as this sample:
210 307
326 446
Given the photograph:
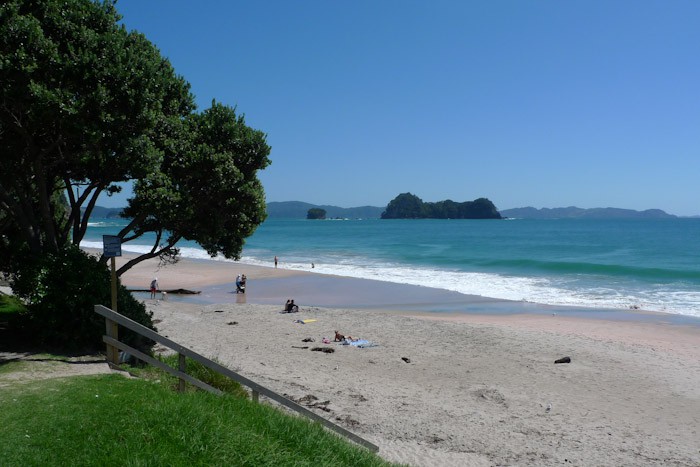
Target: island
316 213
410 206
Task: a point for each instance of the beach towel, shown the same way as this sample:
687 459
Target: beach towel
361 343
304 321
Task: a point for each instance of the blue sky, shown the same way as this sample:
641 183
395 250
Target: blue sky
527 103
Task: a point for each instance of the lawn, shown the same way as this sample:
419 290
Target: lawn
112 420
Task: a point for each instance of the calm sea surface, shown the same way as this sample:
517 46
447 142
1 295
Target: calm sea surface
651 264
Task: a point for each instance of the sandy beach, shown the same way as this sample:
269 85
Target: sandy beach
450 388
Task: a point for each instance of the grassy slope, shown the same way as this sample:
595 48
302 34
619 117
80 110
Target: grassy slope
111 420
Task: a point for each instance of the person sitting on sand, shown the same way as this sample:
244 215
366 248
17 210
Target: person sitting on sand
290 307
341 338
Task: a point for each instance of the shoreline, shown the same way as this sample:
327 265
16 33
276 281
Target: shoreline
273 286
269 285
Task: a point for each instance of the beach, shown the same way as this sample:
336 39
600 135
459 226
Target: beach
447 388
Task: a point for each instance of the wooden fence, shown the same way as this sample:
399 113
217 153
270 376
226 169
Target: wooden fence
111 339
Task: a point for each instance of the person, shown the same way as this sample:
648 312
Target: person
290 307
275 262
341 338
240 284
154 287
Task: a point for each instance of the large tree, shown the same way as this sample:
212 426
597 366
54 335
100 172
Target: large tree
86 104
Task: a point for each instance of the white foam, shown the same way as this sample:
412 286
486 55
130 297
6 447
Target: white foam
529 289
548 291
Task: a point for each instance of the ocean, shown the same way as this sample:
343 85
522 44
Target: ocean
649 264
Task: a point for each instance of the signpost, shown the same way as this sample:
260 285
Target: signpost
112 247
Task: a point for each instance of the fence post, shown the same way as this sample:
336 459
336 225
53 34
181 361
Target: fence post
182 366
112 352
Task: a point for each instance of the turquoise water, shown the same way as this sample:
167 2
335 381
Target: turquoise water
619 264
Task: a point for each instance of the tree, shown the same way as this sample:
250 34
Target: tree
86 104
207 189
316 213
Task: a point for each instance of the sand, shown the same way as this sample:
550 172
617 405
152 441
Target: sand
457 389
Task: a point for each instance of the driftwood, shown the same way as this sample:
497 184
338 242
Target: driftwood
175 291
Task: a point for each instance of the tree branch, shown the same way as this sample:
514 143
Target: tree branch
168 255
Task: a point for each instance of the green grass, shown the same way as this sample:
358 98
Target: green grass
194 369
111 420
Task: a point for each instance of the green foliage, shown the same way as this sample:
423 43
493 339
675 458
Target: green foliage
86 105
62 289
316 213
111 420
207 188
82 102
409 206
10 305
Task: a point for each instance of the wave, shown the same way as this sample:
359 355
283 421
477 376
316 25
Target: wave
615 270
544 290
550 289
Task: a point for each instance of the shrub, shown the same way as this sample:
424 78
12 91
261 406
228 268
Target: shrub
61 291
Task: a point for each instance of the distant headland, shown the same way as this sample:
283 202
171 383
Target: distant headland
299 210
573 212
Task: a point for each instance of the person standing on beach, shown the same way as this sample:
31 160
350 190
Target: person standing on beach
154 287
275 262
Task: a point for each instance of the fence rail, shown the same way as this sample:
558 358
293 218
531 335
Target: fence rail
112 341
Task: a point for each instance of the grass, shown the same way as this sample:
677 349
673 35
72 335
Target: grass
111 420
195 369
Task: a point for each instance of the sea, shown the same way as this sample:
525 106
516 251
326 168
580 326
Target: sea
621 264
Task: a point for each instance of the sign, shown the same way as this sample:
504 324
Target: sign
112 246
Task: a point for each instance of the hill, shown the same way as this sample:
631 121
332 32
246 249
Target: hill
573 212
299 209
105 213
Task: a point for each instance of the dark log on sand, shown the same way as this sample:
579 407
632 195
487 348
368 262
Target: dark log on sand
174 291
